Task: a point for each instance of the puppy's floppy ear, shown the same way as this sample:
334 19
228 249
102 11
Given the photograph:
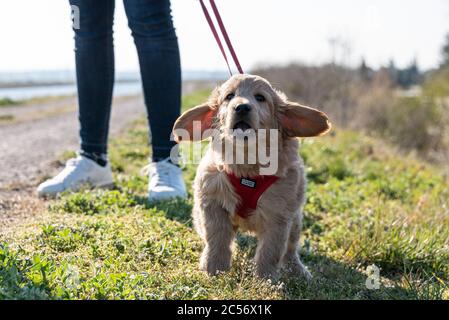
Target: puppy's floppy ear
300 121
192 124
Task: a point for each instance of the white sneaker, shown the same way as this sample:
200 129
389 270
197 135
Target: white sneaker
77 173
166 181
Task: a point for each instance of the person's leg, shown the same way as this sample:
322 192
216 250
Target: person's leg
157 47
94 54
95 77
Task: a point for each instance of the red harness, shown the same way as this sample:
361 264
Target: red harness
250 191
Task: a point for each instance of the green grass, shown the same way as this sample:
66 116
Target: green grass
6 118
8 102
366 205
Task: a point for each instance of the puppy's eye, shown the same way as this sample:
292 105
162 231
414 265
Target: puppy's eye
260 98
230 96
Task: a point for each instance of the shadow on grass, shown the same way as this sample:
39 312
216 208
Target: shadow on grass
337 280
179 210
332 280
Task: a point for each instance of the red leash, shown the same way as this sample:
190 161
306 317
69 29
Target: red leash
224 32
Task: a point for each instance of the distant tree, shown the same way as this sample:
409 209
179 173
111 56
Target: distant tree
410 75
393 72
414 72
445 52
365 72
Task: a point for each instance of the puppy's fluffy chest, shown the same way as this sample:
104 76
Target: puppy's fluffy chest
279 202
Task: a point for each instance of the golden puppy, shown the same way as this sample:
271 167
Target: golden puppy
230 195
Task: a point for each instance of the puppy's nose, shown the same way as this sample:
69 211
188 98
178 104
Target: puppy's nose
243 109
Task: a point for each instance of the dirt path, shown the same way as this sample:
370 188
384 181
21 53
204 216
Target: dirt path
32 142
29 147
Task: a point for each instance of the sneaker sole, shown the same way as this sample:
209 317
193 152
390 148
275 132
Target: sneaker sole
106 186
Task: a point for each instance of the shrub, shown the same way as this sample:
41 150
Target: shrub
412 121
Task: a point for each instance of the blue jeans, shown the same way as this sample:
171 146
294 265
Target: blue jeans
154 36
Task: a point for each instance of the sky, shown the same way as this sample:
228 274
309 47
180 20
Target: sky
37 35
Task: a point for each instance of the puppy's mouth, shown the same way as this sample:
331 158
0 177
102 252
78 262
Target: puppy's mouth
242 125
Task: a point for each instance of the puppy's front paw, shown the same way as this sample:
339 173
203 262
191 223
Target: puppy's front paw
214 268
306 274
269 273
296 268
214 265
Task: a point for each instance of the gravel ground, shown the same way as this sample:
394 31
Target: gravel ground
28 148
